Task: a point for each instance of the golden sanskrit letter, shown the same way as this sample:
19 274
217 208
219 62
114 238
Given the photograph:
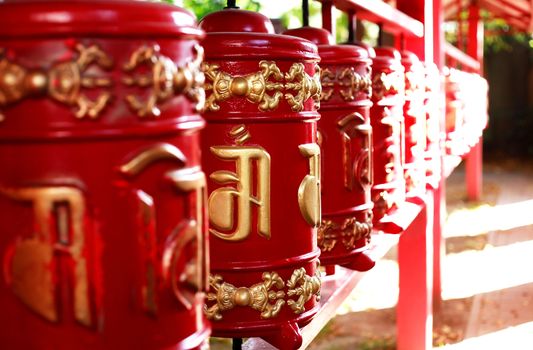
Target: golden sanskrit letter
309 190
59 220
222 200
357 167
182 266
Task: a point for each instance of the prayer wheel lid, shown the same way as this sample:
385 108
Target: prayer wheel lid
46 18
318 36
387 52
236 20
328 51
235 33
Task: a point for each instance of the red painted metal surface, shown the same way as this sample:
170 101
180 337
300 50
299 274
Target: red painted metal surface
433 112
260 151
415 125
388 134
346 147
101 196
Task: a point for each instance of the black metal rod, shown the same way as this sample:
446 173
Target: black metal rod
380 35
237 344
305 13
352 26
231 4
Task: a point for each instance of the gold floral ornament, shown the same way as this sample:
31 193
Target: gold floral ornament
253 87
327 80
384 84
349 81
348 232
305 86
63 82
260 296
353 83
165 80
304 287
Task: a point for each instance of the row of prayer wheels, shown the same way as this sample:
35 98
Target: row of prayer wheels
466 102
111 114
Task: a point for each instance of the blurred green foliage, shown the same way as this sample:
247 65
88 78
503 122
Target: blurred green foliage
499 35
202 7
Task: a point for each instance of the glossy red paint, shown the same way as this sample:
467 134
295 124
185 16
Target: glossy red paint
388 134
433 110
259 150
346 146
101 196
415 124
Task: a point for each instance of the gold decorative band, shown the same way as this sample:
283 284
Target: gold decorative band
385 84
349 231
348 79
165 79
267 297
65 82
265 87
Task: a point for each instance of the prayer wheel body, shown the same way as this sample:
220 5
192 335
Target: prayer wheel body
263 163
415 124
101 193
388 134
346 147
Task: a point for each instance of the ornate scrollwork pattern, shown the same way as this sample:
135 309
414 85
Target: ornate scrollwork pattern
304 287
265 88
348 232
64 82
385 84
253 87
305 86
259 297
267 297
349 81
165 79
383 202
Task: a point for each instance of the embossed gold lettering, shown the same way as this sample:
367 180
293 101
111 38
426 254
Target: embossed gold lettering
60 221
309 190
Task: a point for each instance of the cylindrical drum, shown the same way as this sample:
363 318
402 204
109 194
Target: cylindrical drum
346 146
415 124
386 117
263 162
433 106
101 192
455 113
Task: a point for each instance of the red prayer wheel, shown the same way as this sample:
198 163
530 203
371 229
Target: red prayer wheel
346 147
263 162
415 124
386 117
432 106
102 194
455 113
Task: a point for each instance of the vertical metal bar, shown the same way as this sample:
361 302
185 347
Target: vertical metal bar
459 20
237 344
474 160
380 34
231 4
305 13
328 17
352 26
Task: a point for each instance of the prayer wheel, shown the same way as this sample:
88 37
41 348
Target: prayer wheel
261 155
415 124
103 238
388 134
346 147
